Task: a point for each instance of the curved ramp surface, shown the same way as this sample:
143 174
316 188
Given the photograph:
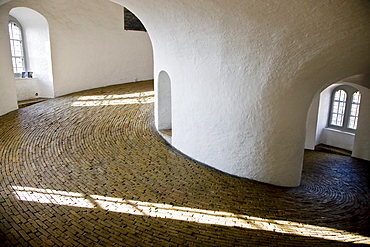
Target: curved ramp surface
88 169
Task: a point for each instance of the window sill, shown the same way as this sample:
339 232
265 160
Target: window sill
340 131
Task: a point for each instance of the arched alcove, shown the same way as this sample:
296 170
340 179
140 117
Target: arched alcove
37 53
318 130
163 104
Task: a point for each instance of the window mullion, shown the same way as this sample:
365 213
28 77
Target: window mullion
347 111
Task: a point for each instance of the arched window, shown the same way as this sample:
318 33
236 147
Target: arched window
345 105
17 46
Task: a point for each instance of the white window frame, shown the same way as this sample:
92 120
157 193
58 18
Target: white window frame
350 91
15 21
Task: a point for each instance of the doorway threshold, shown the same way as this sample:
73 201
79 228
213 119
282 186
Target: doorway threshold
25 103
334 150
166 134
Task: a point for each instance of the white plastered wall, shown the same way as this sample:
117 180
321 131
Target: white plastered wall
8 93
361 146
312 124
89 47
244 74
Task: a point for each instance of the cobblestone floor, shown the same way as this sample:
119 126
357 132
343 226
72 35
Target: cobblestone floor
88 169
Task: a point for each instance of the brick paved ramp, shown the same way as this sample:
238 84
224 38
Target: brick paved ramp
88 169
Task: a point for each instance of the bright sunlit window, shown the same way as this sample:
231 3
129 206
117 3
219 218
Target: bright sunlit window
355 106
338 108
345 105
17 46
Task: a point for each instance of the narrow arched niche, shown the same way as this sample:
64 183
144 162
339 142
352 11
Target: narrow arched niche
38 54
164 105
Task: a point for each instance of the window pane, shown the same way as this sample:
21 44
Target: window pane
16 32
18 65
12 47
355 107
338 108
343 96
17 48
356 98
10 30
342 107
14 64
336 97
16 45
334 119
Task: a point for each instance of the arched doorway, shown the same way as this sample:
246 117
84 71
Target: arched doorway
320 129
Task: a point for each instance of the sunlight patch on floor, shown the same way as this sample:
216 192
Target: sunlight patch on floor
115 99
52 196
167 211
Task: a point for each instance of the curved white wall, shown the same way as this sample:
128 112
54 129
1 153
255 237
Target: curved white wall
361 146
244 74
8 92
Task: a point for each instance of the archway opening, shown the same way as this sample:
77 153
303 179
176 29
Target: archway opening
37 79
164 105
338 120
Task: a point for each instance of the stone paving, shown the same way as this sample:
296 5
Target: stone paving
88 169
